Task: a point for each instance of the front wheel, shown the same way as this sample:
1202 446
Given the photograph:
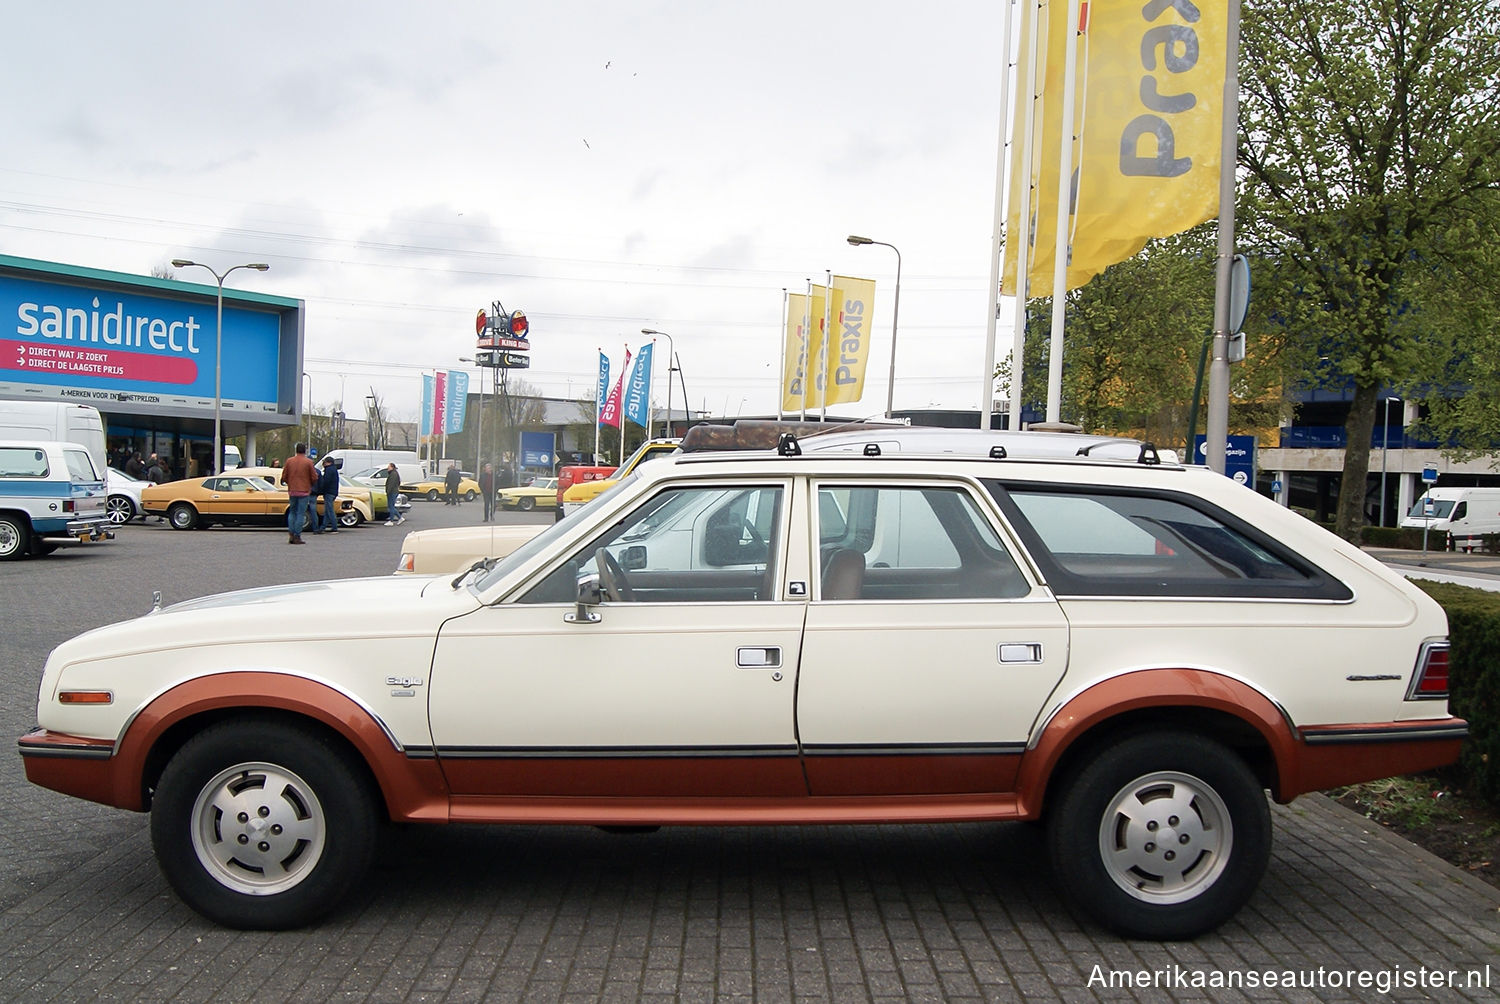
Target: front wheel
182 516
1161 836
263 825
470 496
350 518
432 495
527 503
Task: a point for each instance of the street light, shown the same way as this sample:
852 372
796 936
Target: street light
671 355
218 462
890 390
1385 447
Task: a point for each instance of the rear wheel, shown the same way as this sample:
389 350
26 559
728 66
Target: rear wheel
119 509
1162 836
527 503
432 494
261 824
15 537
182 516
470 496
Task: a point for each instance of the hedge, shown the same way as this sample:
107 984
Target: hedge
1474 678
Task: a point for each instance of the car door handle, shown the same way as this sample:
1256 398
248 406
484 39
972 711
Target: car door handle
1019 652
759 657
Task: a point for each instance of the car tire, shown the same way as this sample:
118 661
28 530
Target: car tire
15 538
432 495
470 496
1163 835
182 516
351 518
527 503
119 509
259 824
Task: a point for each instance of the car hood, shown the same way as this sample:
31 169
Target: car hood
385 607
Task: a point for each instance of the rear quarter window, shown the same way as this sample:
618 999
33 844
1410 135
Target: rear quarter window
1117 542
22 463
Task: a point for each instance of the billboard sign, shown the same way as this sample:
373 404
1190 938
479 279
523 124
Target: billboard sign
145 346
538 449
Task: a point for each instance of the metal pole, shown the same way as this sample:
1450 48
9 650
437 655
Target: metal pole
997 231
1060 243
890 390
1218 372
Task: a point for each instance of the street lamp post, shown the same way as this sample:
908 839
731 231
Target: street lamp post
671 365
890 389
218 461
1385 448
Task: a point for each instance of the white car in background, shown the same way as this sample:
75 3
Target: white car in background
124 502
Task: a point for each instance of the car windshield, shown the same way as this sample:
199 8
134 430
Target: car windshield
1441 508
368 472
261 484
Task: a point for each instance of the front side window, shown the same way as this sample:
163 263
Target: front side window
689 544
1098 542
910 543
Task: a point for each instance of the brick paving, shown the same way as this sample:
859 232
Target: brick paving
454 914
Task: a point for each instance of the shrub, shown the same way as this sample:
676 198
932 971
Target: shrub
1396 536
1474 677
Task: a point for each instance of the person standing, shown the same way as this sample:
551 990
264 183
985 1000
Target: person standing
487 491
156 473
328 488
136 467
450 481
299 475
392 492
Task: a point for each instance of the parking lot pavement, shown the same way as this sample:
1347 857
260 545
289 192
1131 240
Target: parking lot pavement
553 913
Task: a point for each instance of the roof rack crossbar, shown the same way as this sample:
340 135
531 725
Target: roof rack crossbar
787 445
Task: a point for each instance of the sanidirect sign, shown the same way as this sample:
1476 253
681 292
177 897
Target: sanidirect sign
98 343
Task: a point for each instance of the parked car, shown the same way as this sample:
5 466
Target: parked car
124 501
50 492
433 489
540 494
449 549
586 484
230 499
1131 653
362 510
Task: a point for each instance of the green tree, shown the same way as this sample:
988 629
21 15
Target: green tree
1364 128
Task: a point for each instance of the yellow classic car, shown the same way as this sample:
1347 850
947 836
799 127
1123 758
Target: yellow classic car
540 494
433 489
362 511
231 499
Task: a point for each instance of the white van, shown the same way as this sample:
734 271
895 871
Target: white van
55 421
351 461
1466 514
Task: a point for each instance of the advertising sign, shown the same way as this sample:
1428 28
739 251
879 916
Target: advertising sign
91 338
538 449
1239 457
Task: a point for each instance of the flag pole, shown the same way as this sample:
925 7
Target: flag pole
1030 29
781 379
827 341
598 406
1064 214
1217 433
997 230
802 354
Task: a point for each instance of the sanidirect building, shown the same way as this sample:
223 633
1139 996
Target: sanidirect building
146 353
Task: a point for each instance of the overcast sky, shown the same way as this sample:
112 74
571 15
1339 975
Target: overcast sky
603 166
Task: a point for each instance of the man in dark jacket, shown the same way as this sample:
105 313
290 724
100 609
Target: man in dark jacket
392 491
487 491
450 481
328 487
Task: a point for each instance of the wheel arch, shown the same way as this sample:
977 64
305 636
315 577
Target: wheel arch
409 787
1201 702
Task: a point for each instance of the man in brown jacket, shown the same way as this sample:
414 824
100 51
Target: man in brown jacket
299 475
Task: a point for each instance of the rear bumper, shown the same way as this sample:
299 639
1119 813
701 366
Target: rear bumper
89 529
1332 756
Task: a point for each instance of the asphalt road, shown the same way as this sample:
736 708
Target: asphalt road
552 913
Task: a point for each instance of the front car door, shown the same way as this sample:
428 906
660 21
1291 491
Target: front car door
682 688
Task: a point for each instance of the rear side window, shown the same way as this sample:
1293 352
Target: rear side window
19 463
80 467
1120 543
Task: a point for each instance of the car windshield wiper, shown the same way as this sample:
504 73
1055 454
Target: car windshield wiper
482 565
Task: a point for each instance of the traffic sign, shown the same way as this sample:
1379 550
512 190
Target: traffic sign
1429 475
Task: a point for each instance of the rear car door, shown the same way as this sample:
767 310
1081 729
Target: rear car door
929 652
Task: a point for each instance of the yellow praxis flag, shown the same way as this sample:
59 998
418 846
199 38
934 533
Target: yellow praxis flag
847 347
804 348
1149 111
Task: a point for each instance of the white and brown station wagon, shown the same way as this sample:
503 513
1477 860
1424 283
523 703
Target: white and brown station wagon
1131 652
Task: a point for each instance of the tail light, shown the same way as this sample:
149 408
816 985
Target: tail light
1429 681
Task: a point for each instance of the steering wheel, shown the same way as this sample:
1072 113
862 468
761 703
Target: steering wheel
755 537
612 578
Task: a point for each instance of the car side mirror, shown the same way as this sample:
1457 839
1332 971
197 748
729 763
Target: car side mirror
589 595
633 558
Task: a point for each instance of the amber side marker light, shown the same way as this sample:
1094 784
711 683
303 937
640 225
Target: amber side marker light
85 697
